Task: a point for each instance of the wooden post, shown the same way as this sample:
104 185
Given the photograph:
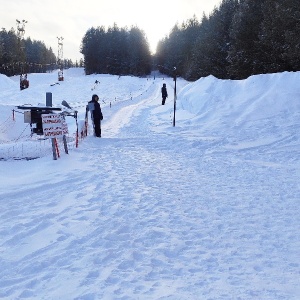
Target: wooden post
65 144
49 103
54 149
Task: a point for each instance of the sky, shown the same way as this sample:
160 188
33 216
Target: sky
48 20
206 209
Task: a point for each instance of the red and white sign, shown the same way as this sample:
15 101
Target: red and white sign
54 125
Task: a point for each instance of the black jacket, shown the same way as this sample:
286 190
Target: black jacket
97 113
164 92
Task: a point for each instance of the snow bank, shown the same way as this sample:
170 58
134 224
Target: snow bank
216 102
7 83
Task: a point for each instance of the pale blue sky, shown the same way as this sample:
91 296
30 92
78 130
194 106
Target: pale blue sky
70 19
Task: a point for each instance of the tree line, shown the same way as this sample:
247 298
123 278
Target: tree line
25 56
238 39
117 51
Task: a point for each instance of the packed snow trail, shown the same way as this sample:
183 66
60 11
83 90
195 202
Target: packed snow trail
146 213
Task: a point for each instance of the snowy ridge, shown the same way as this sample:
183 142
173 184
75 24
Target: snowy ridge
208 209
258 97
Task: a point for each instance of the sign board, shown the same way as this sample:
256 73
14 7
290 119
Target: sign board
54 125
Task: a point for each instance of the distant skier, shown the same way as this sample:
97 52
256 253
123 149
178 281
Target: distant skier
164 94
96 83
96 114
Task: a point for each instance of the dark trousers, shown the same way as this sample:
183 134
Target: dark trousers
163 101
97 127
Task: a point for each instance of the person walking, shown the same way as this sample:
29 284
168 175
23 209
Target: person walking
164 94
96 114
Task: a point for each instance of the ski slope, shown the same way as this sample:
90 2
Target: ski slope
208 209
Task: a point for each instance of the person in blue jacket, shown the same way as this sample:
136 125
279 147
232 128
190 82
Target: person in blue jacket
96 114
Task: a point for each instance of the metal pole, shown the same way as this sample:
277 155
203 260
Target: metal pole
49 99
175 96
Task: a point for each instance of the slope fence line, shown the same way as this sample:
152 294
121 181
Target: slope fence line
28 146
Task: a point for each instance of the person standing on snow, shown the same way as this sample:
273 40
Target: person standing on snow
96 114
164 94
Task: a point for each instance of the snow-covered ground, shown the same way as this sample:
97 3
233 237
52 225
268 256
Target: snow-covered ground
208 209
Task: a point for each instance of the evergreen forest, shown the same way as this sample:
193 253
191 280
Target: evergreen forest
238 39
25 56
116 51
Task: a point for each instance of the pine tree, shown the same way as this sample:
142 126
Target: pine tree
290 15
244 55
211 48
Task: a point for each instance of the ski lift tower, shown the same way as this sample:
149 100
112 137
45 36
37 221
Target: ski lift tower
60 58
24 83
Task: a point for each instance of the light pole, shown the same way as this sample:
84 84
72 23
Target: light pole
175 96
60 58
24 82
21 28
20 35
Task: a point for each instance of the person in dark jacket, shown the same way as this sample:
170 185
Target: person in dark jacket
164 94
96 114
